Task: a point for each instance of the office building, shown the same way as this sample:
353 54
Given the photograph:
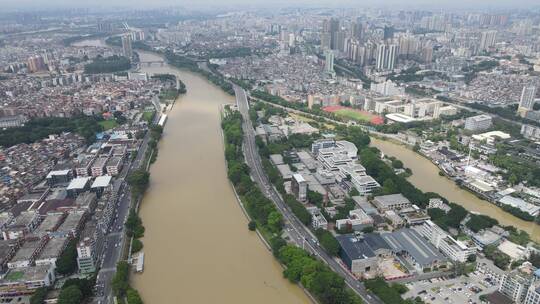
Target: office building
478 123
530 132
299 187
455 250
394 202
321 144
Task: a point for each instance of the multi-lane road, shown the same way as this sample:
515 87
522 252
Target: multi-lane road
116 240
298 232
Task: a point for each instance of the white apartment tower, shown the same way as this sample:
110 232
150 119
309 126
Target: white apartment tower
329 62
526 102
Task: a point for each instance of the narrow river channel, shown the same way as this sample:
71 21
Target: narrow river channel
426 178
197 245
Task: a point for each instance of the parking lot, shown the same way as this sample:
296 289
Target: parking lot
465 289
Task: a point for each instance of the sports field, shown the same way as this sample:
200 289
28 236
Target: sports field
354 114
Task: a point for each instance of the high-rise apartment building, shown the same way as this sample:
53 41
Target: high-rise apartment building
487 40
330 31
386 57
526 102
329 61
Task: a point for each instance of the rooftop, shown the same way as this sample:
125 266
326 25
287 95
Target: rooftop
391 199
27 250
78 183
410 241
26 274
54 248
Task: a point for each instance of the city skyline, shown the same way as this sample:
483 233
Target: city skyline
216 4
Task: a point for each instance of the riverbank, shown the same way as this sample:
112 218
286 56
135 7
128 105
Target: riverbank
426 177
196 239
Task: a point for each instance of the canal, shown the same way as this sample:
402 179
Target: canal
426 177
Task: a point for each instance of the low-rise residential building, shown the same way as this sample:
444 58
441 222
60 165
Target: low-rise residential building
27 253
318 221
50 223
22 225
24 281
86 201
98 167
83 168
52 251
78 185
72 224
57 177
8 248
114 165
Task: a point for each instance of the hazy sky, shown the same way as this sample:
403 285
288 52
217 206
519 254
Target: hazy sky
40 4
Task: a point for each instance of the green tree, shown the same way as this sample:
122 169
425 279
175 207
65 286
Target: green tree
85 285
315 198
39 296
136 246
389 187
134 225
275 221
397 164
119 281
252 225
70 295
138 180
133 296
67 262
328 241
